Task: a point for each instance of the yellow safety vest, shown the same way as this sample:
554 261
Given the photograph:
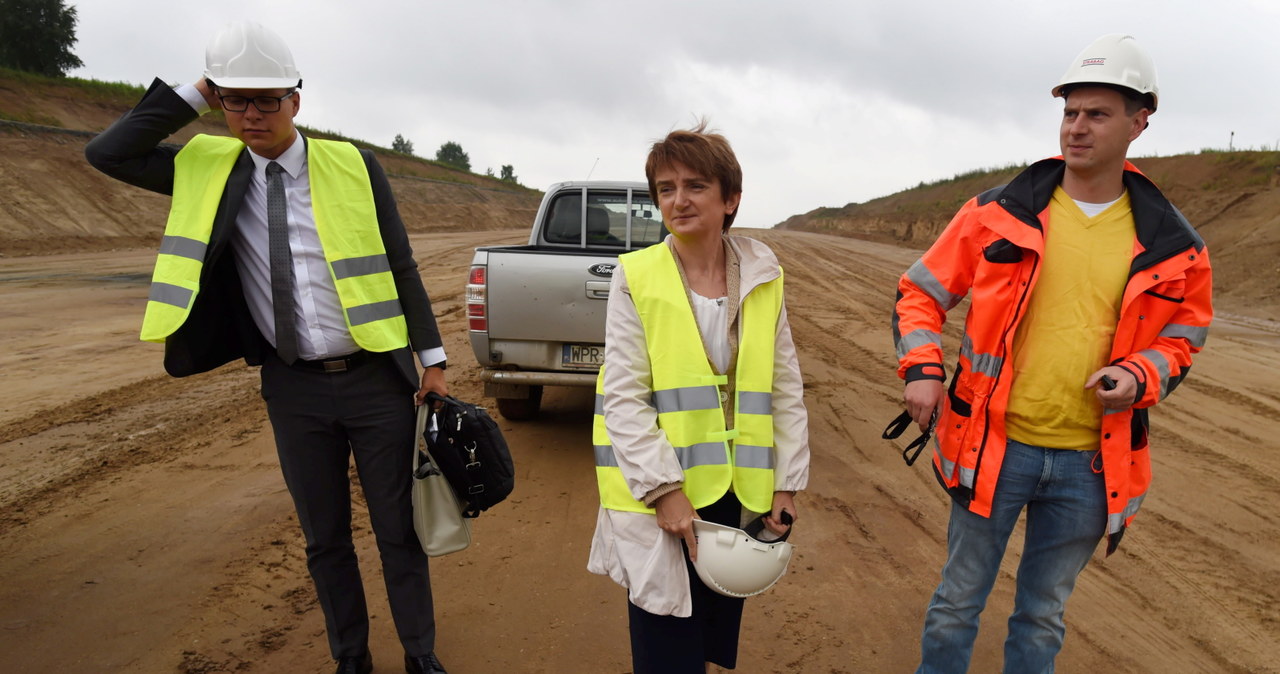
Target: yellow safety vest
346 221
686 392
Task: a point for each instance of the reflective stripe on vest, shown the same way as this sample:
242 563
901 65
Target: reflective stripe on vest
687 392
340 193
200 176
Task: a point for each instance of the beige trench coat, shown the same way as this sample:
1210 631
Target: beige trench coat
629 547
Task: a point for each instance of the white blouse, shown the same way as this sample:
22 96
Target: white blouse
712 316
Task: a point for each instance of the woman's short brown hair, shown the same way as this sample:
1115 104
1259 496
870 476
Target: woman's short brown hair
703 152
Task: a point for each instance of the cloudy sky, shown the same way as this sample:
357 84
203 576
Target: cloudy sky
824 102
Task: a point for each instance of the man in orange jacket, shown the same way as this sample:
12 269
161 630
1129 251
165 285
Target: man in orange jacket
1090 294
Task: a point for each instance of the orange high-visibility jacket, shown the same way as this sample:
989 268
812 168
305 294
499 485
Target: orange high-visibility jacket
992 249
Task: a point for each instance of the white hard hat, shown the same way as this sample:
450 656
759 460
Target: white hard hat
736 564
248 55
1114 60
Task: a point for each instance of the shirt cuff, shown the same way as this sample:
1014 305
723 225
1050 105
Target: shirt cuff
193 97
660 491
432 357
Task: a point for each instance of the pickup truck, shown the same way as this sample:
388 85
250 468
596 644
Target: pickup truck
536 312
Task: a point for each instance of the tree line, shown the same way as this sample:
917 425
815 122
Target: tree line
452 154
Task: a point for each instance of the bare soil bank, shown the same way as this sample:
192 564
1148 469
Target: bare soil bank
54 202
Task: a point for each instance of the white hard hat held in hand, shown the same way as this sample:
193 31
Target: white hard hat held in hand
735 563
1115 60
248 55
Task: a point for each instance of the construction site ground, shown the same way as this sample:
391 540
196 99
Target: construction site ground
144 525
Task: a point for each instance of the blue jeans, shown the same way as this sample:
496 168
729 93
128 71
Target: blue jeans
1066 517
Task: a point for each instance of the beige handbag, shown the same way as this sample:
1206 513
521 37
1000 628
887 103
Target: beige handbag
437 515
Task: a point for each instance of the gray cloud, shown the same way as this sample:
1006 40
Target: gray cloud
825 102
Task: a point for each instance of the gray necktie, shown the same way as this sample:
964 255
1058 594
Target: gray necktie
281 266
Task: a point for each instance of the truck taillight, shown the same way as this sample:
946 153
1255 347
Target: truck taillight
477 318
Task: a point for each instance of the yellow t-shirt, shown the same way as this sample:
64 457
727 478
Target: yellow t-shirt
1070 323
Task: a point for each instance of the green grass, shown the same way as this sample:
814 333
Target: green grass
334 135
27 117
96 89
968 175
110 91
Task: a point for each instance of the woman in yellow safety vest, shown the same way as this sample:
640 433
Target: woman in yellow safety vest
699 407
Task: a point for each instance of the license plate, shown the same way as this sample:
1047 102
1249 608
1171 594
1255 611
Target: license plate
582 355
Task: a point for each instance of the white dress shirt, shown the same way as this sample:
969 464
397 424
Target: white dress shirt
321 323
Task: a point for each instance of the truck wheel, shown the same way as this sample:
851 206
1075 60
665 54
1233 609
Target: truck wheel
521 409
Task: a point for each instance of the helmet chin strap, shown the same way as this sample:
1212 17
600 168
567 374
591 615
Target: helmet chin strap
756 527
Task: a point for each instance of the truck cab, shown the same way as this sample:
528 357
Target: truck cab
536 312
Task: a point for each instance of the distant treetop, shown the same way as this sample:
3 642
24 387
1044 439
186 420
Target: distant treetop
36 36
402 144
452 154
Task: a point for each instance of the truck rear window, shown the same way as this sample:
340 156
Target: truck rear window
605 219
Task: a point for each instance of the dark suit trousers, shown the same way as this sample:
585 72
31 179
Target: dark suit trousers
321 419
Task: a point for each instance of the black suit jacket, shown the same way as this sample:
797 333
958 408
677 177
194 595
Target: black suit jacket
220 328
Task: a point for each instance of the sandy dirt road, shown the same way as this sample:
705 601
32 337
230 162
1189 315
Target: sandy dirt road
144 526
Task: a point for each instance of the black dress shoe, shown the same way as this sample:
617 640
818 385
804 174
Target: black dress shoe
423 664
355 664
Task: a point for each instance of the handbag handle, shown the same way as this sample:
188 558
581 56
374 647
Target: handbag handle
420 448
433 397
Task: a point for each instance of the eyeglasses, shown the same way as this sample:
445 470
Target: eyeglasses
899 424
262 103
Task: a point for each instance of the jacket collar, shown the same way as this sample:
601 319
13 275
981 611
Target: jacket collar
1163 231
756 263
1161 228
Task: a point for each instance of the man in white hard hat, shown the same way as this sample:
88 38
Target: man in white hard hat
289 252
1089 295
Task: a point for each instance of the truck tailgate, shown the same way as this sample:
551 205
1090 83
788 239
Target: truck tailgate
543 297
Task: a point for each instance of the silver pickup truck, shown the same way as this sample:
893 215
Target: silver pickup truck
536 312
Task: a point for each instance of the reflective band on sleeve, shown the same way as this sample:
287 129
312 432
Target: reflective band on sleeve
701 454
1191 333
926 281
755 402
182 246
167 293
985 363
1162 367
605 457
1115 521
917 338
360 266
376 311
752 456
686 399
